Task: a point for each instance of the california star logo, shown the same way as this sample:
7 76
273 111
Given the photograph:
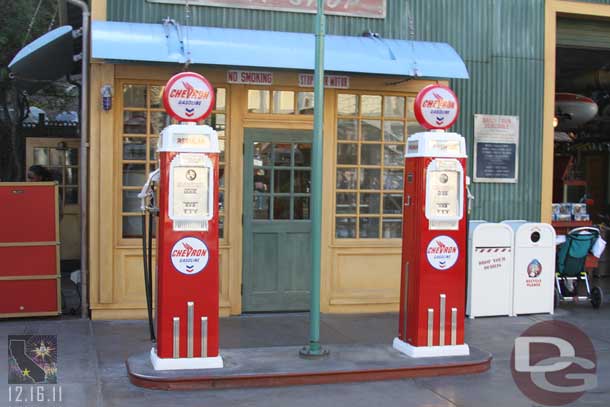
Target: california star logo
442 252
190 255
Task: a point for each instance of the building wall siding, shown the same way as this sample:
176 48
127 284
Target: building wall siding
501 41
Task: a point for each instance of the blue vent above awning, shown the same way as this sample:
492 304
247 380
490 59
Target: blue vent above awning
119 41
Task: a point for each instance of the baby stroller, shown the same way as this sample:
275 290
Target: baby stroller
571 257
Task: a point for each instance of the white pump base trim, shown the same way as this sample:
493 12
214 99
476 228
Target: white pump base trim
184 363
430 351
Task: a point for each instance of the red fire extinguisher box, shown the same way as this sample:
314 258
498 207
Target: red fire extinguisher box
29 249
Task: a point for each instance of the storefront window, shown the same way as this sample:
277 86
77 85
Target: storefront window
286 102
143 120
371 134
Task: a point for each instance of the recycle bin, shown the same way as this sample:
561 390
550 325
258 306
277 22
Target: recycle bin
534 267
490 269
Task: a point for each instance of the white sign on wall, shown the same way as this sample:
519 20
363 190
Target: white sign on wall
250 77
330 81
496 148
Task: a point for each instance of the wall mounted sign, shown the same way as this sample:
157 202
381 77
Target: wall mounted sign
188 97
353 8
436 107
496 146
250 77
330 81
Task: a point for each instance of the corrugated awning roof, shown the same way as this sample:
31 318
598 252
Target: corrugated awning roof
121 41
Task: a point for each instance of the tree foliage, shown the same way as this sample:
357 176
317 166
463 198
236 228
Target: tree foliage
21 21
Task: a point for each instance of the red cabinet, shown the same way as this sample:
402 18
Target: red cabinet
29 250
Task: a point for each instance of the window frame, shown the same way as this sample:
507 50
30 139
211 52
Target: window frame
407 119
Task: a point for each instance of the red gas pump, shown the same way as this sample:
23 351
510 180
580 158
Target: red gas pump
187 236
433 283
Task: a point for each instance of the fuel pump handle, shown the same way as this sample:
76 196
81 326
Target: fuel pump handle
153 177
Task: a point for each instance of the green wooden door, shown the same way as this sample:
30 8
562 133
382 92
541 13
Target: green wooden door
277 226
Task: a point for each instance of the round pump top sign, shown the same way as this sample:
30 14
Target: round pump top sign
188 97
436 107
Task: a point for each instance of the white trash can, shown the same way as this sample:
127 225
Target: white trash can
534 268
490 269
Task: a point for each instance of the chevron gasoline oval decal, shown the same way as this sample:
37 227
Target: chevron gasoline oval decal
190 255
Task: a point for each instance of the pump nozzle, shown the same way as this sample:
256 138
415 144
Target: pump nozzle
147 190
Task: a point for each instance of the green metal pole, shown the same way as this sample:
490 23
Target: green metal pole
314 349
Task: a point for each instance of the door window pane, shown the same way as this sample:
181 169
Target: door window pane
262 180
41 156
158 121
72 156
392 204
134 148
258 101
394 131
131 202
369 203
347 105
305 102
71 196
370 154
347 153
393 154
260 206
281 207
71 176
346 178
369 228
347 129
134 122
302 155
394 106
134 174
392 179
301 207
371 105
392 228
302 181
283 102
132 226
56 157
281 181
134 95
282 155
371 130
346 202
369 178
221 99
345 228
156 97
152 148
263 154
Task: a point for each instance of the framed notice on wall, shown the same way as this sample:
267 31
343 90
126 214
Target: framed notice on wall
496 148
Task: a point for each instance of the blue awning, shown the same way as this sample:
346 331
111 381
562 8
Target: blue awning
45 59
120 41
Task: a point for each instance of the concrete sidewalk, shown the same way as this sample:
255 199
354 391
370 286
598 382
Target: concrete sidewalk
92 358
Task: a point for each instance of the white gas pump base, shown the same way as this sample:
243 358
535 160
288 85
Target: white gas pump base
430 351
184 363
